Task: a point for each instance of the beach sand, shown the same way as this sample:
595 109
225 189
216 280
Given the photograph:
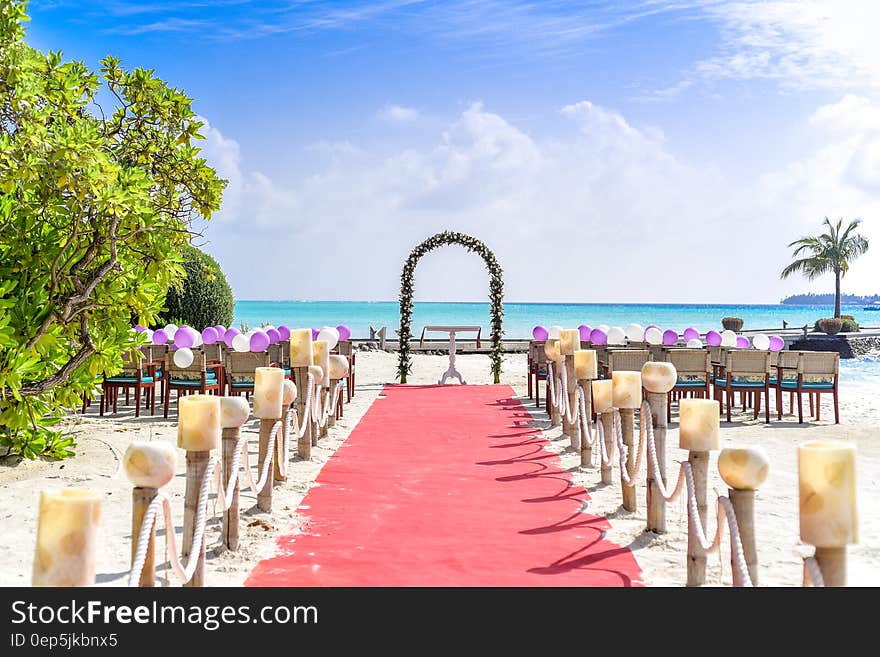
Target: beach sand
102 441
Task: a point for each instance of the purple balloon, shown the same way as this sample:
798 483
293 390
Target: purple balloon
344 332
776 343
221 331
713 339
160 336
540 333
139 328
284 332
691 334
184 337
231 332
274 335
598 336
585 331
670 337
742 342
209 335
259 341
315 333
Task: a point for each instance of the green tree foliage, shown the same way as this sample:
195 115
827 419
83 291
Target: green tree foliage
828 253
203 298
96 203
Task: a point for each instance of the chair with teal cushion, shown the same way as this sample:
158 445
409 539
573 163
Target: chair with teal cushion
746 371
136 375
240 369
818 373
693 369
198 377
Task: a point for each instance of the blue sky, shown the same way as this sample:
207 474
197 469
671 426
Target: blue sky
657 150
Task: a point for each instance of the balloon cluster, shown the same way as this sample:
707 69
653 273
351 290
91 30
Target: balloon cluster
184 338
654 335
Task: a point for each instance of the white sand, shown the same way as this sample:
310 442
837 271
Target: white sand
662 558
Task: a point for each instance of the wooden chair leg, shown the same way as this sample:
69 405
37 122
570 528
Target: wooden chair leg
800 406
810 397
137 400
836 406
729 395
153 400
757 406
779 402
766 405
818 406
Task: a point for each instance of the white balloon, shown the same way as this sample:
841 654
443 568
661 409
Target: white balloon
241 342
761 341
695 343
555 332
170 328
616 335
653 335
183 357
635 332
197 339
603 328
149 334
330 335
728 338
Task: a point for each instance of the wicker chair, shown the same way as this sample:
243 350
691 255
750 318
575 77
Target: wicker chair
214 354
746 372
783 366
137 375
538 369
197 377
345 348
241 370
626 359
694 371
818 372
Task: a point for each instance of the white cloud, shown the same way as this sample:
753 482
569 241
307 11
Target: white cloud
604 212
398 113
249 195
828 44
840 179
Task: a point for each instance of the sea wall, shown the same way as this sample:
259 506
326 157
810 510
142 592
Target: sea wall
850 345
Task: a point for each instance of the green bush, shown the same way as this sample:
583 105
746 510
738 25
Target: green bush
848 324
100 185
203 298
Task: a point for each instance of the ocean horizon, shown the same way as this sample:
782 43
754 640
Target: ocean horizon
521 318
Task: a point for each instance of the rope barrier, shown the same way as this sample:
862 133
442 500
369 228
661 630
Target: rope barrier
725 509
183 573
240 461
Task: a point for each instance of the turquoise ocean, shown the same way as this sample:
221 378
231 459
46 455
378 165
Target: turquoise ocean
520 318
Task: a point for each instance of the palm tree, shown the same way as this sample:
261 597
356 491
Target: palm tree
832 251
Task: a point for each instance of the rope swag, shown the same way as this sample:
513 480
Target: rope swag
496 294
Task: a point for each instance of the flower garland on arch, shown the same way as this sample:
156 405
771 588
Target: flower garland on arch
496 294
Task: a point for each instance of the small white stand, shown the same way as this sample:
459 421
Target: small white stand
451 330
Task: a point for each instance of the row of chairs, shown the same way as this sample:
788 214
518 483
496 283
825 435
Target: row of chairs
720 373
215 370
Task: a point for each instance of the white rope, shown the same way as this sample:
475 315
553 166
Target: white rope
814 573
299 429
183 573
686 477
629 477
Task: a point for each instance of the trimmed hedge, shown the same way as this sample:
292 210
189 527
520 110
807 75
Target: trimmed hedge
203 298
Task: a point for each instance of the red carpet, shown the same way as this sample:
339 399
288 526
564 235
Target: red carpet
446 486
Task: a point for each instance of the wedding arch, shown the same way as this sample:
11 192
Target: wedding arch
496 294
